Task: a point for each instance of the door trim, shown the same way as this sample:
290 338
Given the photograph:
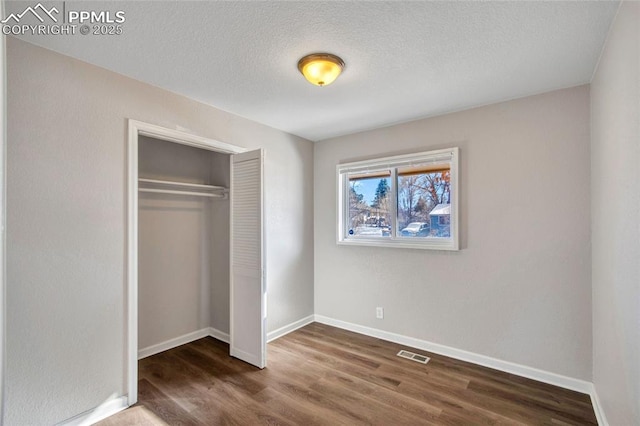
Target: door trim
3 213
136 129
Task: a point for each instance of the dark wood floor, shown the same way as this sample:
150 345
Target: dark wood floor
320 375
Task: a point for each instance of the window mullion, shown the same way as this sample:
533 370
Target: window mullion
394 202
345 208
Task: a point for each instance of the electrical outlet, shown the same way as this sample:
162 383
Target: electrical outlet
379 312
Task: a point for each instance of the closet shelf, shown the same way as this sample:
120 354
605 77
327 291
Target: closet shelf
212 191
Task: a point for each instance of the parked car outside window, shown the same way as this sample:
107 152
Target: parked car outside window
416 229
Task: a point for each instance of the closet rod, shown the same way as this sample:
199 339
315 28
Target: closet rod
169 182
169 191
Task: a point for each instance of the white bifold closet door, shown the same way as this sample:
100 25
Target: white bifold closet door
248 287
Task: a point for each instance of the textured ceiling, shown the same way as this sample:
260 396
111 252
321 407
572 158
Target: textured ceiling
404 60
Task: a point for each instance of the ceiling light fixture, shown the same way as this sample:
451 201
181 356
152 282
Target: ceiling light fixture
321 69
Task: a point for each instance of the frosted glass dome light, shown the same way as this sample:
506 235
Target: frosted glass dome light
321 69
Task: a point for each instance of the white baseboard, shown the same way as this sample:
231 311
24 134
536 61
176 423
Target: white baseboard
217 334
486 361
172 343
245 356
271 336
101 412
597 407
181 340
220 335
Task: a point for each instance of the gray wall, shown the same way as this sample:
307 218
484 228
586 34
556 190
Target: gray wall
615 207
177 268
520 288
66 229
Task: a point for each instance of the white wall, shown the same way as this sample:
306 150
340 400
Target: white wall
67 127
520 288
615 207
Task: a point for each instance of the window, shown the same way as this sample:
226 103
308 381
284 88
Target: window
400 201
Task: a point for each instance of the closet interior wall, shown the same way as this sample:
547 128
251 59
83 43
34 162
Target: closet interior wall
221 234
183 245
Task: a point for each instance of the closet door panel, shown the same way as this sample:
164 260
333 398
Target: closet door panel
248 289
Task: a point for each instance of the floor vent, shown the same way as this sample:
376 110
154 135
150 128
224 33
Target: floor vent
414 357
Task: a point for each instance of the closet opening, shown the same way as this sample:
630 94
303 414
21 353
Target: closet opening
195 246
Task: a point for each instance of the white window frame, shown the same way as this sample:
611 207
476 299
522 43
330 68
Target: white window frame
449 155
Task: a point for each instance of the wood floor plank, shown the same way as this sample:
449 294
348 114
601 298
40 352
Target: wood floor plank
321 375
548 400
163 405
563 409
298 411
393 400
335 363
135 416
388 362
320 379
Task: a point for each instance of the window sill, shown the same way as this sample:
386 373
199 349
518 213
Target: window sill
440 244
